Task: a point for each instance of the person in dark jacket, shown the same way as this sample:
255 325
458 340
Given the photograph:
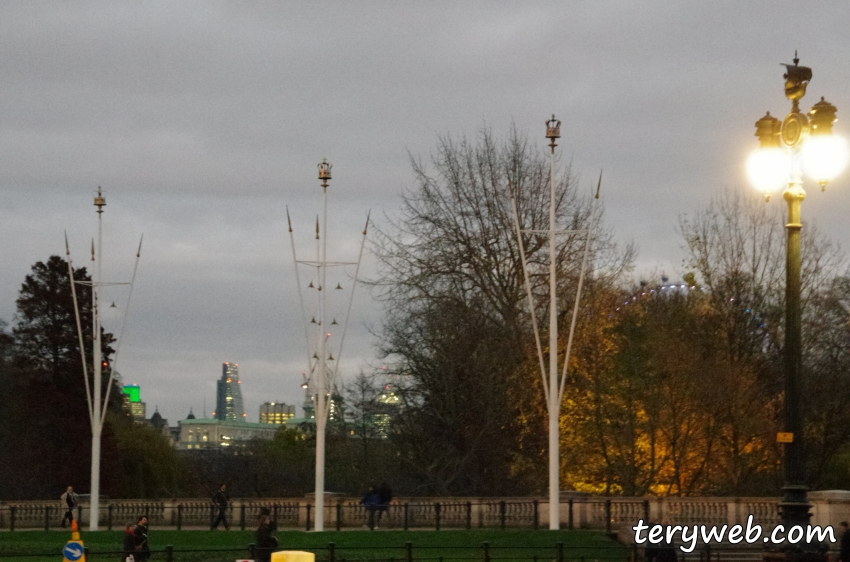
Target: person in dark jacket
371 500
662 552
265 542
69 501
129 544
844 553
385 496
220 499
140 540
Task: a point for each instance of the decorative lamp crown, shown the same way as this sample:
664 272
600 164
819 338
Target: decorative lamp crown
325 171
821 117
767 130
796 80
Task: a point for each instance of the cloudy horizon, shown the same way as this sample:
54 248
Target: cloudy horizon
204 122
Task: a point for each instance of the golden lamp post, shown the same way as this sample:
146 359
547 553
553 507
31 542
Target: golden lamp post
802 143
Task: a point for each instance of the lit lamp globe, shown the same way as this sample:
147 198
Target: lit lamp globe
769 166
824 154
768 169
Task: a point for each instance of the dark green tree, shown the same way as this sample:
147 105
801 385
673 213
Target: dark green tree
45 431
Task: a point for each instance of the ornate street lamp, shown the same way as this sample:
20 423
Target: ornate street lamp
799 144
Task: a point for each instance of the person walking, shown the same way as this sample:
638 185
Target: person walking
69 501
844 553
220 499
129 544
140 540
265 540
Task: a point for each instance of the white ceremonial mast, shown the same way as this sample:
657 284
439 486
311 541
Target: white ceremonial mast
318 370
553 389
97 400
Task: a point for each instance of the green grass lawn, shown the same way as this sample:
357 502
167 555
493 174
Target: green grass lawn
221 546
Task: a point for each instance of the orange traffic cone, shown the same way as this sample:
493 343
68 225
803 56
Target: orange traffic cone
74 550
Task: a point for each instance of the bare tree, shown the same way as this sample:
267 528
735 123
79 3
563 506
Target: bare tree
457 326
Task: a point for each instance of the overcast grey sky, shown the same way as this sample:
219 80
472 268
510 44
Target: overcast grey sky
202 120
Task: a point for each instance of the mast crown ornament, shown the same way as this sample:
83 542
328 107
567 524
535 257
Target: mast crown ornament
325 171
99 201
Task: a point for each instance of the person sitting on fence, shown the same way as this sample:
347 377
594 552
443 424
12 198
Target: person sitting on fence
69 502
129 544
371 500
265 541
140 540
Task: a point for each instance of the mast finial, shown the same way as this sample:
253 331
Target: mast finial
99 201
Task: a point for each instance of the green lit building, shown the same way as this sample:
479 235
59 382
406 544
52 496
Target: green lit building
132 396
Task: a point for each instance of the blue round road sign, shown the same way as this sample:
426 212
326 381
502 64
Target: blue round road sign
73 551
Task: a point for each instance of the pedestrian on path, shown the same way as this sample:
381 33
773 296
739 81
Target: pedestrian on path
265 540
129 544
844 553
220 499
140 540
69 501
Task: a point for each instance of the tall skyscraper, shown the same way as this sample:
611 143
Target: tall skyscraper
228 400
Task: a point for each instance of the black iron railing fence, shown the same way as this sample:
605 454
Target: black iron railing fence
406 552
609 514
410 552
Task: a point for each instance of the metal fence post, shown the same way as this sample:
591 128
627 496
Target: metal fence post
308 516
108 517
405 516
274 514
608 515
80 515
46 517
646 511
12 518
468 515
437 515
338 516
242 516
486 546
408 549
169 553
536 516
502 514
331 552
179 516
560 546
570 504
